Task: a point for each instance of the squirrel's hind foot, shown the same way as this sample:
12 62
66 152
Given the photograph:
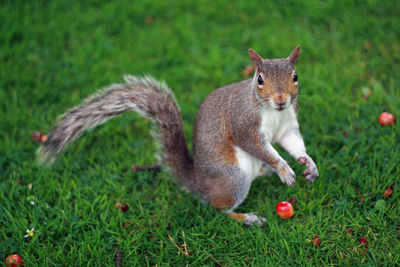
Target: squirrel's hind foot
248 218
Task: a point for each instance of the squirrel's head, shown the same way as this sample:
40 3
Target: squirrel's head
275 80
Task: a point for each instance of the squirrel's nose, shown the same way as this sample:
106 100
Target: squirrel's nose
280 102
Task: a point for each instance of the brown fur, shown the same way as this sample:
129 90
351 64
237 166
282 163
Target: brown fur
222 202
227 151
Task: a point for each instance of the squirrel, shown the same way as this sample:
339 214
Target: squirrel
233 134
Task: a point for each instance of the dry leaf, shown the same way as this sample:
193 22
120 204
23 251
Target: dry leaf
388 192
348 230
316 241
367 45
39 137
127 224
364 251
366 93
148 20
363 240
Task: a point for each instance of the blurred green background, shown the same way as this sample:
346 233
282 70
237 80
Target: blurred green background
54 54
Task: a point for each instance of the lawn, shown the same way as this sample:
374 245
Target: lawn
54 54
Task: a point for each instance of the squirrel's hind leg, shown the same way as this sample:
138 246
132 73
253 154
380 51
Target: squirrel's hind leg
227 192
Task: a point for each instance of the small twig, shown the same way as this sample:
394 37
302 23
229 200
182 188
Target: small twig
358 192
184 244
183 252
154 168
118 258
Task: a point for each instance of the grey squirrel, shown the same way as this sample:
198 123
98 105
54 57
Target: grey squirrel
233 132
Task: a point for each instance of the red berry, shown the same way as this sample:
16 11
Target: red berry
14 260
124 207
284 209
386 118
43 138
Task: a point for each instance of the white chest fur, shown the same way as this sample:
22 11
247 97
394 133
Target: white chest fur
249 165
273 126
275 123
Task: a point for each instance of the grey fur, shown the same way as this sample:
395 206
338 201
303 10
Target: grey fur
145 95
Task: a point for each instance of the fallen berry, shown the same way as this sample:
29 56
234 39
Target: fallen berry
348 230
43 138
284 209
386 118
13 260
124 207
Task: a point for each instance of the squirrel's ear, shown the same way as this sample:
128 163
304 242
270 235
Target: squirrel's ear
294 55
255 58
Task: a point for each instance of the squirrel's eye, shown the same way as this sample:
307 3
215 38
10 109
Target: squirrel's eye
295 78
260 80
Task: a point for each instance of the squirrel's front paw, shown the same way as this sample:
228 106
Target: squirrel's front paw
286 174
311 172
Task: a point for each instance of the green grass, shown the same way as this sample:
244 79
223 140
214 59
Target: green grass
53 54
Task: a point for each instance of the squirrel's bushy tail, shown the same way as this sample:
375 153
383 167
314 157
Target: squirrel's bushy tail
152 99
